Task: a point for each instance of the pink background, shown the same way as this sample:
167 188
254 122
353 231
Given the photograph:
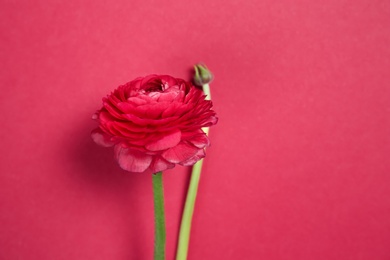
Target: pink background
299 166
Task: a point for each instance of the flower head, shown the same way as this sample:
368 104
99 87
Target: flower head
154 123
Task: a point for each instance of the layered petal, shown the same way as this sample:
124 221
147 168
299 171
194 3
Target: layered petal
191 161
199 140
159 164
179 153
165 142
101 138
155 122
132 160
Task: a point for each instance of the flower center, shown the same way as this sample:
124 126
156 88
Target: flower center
154 86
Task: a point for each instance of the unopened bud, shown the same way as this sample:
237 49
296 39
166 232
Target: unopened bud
202 75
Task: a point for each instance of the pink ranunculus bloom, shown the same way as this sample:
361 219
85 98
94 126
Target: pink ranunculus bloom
155 123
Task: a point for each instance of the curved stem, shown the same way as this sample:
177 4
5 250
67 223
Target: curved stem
159 218
185 227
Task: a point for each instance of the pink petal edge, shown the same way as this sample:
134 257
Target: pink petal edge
101 138
181 152
132 160
166 142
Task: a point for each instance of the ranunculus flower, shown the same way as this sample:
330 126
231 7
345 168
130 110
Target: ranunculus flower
155 123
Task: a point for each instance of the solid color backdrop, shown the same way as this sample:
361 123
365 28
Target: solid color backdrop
299 165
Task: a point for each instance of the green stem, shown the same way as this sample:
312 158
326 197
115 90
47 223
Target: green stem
206 90
185 227
159 218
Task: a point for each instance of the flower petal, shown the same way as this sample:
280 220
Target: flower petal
199 155
168 96
159 164
167 141
171 109
132 160
101 138
180 153
200 140
136 101
152 111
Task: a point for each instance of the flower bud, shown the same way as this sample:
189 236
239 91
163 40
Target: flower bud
202 75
